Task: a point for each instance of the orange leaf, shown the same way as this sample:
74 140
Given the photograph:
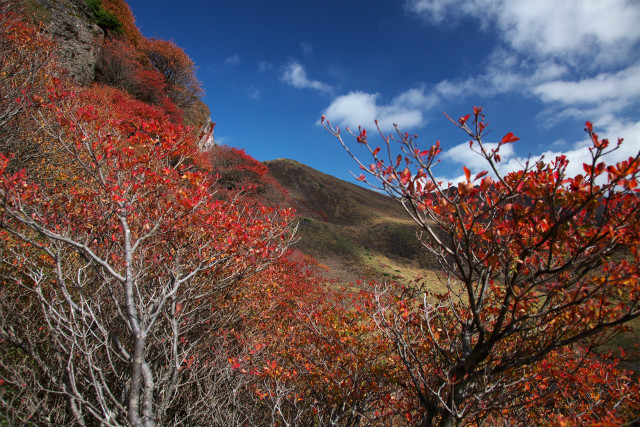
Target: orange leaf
467 173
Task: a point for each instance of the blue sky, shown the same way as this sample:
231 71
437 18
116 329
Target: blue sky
539 69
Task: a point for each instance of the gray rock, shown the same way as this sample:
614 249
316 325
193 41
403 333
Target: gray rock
79 38
205 135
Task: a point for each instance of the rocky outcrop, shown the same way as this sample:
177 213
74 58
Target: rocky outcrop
79 38
205 135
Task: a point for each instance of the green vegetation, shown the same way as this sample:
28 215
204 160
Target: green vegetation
105 19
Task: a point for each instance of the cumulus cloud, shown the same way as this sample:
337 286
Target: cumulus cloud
578 28
417 98
630 131
580 58
505 71
621 85
295 75
599 98
362 109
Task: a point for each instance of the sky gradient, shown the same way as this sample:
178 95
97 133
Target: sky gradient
539 69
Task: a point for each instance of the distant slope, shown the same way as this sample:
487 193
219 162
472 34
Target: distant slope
353 231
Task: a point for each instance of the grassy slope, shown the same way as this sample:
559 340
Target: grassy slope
353 231
359 233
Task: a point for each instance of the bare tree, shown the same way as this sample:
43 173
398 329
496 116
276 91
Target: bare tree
116 268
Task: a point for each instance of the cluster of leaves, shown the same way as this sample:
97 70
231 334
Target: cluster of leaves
120 9
177 68
120 66
104 18
154 71
118 259
124 250
237 171
24 70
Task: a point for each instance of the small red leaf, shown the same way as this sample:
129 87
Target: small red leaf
481 174
510 137
589 126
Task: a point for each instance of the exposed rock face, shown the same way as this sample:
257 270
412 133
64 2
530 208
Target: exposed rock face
79 38
71 24
205 136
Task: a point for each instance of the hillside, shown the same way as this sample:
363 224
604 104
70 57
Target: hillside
353 231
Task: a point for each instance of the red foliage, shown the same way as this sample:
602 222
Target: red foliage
121 10
118 64
313 357
178 69
131 268
572 388
126 239
236 170
122 66
534 262
26 69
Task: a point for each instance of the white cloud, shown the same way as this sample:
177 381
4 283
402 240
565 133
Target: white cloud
599 98
295 75
622 85
416 98
504 71
578 155
436 11
462 154
580 58
579 29
565 95
629 131
353 110
362 109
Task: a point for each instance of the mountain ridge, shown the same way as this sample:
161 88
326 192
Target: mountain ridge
353 231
